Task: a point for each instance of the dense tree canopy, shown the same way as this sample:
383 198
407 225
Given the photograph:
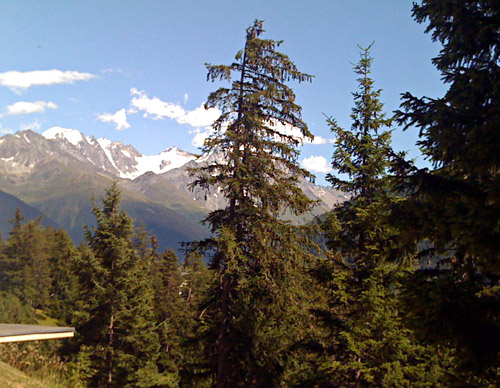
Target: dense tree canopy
364 342
455 205
114 317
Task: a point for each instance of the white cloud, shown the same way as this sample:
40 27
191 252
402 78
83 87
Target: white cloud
186 98
200 136
119 118
318 140
200 117
316 164
18 81
157 109
25 107
287 129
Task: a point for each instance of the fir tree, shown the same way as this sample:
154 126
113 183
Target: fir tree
61 252
114 317
11 267
36 269
367 344
455 205
254 256
171 313
24 268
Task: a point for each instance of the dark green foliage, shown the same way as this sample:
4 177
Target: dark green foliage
251 312
456 204
195 280
11 267
171 312
63 282
35 266
12 310
115 318
195 276
365 343
24 266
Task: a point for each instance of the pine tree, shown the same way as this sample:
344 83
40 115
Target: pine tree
455 205
114 317
254 255
61 253
11 267
171 313
366 343
24 268
36 269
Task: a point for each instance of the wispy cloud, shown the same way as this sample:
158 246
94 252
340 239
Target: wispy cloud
19 81
34 126
316 164
199 136
26 107
119 118
5 131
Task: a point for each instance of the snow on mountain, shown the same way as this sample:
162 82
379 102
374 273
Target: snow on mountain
106 146
167 160
117 158
163 177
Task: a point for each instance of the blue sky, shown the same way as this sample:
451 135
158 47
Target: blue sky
133 71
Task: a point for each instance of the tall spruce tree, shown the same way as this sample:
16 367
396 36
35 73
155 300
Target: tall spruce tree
455 205
114 318
366 343
254 256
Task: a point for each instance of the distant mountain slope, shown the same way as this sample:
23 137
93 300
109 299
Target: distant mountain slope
8 206
60 184
57 173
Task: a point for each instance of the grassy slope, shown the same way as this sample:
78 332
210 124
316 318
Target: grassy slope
13 378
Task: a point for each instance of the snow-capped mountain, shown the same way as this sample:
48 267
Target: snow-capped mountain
58 172
27 157
116 158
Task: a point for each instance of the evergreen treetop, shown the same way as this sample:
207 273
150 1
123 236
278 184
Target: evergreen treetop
455 205
114 317
255 256
362 341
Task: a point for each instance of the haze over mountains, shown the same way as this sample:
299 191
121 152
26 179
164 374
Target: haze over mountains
57 173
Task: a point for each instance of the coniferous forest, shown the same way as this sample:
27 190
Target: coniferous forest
398 286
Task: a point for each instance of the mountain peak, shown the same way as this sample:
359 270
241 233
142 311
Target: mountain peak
73 136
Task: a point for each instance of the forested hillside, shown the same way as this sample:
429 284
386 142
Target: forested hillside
396 286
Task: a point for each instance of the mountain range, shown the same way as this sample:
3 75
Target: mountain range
57 172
